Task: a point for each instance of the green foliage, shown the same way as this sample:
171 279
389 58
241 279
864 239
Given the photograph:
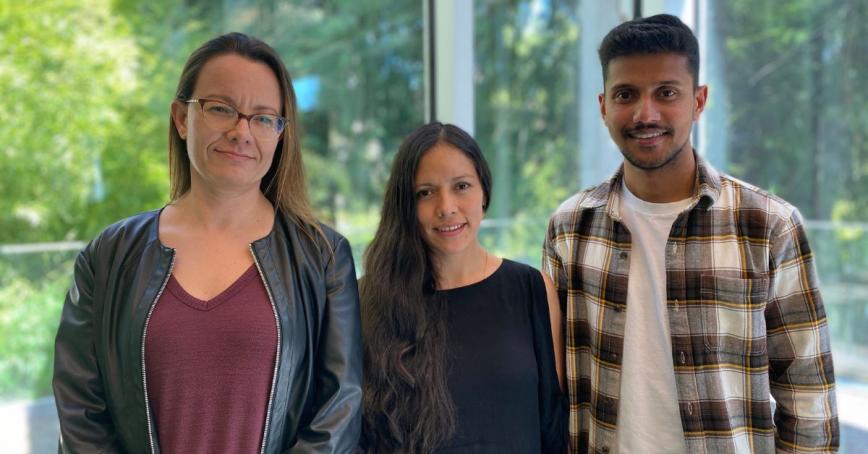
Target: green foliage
796 81
31 292
65 71
369 70
84 128
527 69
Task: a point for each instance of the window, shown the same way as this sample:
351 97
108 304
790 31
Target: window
537 77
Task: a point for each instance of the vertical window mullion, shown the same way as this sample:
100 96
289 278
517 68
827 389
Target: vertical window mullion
449 62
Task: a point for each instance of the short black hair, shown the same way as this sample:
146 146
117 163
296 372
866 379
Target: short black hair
658 34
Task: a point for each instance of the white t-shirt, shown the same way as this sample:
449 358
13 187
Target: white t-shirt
648 418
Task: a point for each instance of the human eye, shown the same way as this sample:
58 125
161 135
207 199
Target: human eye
668 93
423 193
462 186
218 108
622 95
265 120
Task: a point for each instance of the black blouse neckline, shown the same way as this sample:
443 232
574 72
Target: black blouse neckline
478 283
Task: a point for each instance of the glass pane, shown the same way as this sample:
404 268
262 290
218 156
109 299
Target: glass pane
537 78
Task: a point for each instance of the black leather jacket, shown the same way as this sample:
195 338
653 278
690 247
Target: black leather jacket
99 370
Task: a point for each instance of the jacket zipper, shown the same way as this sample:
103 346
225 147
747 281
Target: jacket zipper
144 335
276 356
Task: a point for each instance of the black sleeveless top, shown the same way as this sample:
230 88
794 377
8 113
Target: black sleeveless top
501 370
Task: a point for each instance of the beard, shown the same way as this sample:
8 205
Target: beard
654 162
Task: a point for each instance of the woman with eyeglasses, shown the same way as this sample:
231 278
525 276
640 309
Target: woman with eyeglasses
462 347
228 320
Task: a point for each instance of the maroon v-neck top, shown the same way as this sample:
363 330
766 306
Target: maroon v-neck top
209 366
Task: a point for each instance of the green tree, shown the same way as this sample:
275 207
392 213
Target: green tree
369 71
67 71
795 74
527 70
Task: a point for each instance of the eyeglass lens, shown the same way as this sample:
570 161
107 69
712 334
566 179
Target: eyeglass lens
224 117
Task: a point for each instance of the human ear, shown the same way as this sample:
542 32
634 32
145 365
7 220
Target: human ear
602 99
700 96
179 117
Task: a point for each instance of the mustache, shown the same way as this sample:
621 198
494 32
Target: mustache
639 127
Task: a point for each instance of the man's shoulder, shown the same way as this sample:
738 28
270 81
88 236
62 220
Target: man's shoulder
592 198
737 194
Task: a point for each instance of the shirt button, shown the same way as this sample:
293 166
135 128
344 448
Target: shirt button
682 357
604 449
623 255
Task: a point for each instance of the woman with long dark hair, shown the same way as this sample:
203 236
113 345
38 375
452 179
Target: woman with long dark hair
462 348
228 320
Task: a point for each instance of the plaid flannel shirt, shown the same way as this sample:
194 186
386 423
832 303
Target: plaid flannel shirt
744 310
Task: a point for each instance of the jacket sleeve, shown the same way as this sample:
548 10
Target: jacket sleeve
85 419
336 423
800 361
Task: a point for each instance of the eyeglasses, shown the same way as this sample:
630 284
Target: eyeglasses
223 117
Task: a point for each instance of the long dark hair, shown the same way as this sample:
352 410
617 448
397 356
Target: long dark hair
407 405
284 183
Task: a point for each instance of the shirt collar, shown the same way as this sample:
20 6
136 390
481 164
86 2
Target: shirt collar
608 194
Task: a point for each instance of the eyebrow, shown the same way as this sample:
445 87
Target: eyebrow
459 177
674 82
228 100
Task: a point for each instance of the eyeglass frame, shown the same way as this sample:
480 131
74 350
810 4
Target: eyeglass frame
240 116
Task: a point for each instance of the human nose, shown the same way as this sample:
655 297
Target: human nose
241 130
646 111
445 205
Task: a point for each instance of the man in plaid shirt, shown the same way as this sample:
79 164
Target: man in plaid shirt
691 297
